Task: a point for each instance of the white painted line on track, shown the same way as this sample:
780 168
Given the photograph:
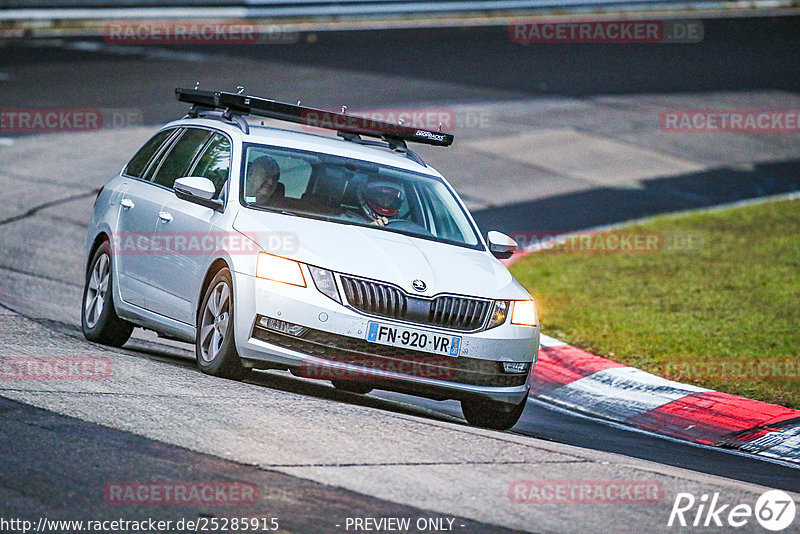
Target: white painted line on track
547 341
620 393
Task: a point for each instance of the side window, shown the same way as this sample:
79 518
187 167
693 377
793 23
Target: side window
291 169
295 175
181 156
161 153
215 162
137 165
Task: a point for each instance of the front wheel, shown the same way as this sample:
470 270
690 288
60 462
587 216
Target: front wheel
214 344
99 320
492 414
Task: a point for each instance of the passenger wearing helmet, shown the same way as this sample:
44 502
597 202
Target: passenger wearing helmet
380 201
262 181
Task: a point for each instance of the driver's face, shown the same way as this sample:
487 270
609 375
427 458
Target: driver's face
264 181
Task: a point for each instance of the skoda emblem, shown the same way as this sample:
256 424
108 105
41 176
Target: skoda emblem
419 285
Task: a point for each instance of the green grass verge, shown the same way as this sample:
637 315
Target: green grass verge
722 314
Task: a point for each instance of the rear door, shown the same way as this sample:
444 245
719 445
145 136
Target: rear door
131 243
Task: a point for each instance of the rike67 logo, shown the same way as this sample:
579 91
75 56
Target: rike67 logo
774 510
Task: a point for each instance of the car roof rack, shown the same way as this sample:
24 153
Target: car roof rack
231 106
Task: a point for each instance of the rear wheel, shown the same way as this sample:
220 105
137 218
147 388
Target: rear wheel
351 387
214 344
492 414
99 320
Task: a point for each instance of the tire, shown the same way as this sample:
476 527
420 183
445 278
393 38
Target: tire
492 414
99 320
215 347
351 386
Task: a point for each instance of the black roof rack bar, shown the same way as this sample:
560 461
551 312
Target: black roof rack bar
319 118
392 144
197 97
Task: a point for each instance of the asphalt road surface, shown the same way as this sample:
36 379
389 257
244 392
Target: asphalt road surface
319 456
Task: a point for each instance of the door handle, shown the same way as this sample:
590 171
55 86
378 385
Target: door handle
127 203
165 216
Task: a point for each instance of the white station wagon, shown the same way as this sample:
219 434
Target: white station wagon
345 259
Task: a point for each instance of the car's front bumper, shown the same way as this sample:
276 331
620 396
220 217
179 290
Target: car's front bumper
334 347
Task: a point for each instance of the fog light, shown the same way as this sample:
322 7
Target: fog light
282 326
515 367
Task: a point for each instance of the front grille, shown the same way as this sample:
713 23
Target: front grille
355 351
459 313
373 297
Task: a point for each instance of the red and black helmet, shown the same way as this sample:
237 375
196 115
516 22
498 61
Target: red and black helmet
381 199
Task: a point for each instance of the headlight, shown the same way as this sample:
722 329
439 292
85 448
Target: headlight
499 313
280 270
524 313
325 282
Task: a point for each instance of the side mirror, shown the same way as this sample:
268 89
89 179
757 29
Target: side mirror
198 190
501 246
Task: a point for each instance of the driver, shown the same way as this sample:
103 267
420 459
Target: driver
262 180
379 201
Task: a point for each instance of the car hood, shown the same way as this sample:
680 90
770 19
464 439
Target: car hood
381 255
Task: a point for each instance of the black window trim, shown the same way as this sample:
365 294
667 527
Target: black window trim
169 144
164 145
172 147
157 162
223 193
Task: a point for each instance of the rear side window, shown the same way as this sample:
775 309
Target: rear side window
181 156
139 162
215 162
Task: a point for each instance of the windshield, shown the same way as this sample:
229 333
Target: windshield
354 191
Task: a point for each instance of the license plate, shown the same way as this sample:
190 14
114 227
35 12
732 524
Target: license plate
397 336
